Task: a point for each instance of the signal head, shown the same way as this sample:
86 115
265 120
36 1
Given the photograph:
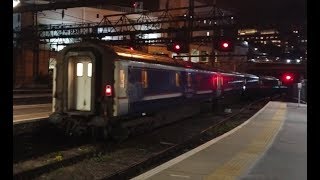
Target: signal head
177 47
224 44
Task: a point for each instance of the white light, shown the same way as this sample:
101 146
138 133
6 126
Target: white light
298 60
245 43
231 17
288 60
90 70
15 3
60 47
244 87
79 69
107 38
256 49
208 33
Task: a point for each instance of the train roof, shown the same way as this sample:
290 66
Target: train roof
135 55
268 77
146 57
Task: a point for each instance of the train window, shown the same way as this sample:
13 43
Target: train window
177 79
79 69
89 69
189 80
144 78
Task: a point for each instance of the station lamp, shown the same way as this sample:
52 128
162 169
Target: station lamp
15 3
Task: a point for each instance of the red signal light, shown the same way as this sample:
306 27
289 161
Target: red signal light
177 47
288 77
108 90
225 45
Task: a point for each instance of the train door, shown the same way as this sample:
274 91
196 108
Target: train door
82 84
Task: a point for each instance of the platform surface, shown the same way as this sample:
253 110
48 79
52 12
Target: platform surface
29 113
271 145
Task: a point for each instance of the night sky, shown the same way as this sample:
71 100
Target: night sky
261 12
279 12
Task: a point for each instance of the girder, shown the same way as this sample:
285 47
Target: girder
124 26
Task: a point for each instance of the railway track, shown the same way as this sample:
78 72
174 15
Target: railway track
133 156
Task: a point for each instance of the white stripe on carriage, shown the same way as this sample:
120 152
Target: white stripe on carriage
204 92
162 96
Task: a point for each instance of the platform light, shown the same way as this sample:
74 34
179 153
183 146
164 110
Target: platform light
288 60
298 60
15 3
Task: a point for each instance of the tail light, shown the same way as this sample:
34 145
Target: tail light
108 90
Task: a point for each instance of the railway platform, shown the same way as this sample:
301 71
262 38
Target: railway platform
31 112
272 144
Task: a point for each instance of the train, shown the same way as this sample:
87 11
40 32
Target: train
111 91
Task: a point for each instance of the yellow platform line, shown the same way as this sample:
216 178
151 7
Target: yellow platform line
242 161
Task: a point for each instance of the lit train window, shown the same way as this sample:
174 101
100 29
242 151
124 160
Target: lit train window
79 69
89 69
177 79
144 78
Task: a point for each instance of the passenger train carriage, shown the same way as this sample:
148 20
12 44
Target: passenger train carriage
97 85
